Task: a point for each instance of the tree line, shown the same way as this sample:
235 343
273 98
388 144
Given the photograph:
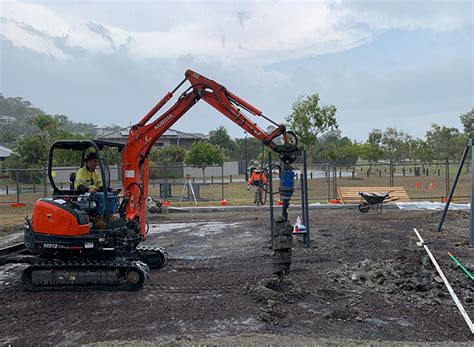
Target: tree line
315 125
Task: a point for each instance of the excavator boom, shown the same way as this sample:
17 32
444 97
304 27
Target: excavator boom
146 132
69 253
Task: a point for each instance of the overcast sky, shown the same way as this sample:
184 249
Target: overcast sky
381 63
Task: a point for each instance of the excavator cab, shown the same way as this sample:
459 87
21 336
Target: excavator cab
64 223
70 252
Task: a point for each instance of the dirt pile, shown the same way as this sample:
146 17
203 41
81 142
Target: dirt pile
411 274
275 293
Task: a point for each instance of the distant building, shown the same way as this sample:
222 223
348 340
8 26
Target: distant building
4 120
4 154
170 137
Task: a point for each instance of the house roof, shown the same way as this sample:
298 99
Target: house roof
3 117
168 133
5 152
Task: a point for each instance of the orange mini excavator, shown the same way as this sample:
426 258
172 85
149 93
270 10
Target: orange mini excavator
68 253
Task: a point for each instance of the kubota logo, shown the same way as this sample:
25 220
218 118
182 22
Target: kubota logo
163 121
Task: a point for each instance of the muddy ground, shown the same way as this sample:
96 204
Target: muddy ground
363 279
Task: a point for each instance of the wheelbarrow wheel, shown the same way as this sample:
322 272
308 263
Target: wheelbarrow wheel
364 207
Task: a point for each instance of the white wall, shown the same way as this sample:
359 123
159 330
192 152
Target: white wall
230 168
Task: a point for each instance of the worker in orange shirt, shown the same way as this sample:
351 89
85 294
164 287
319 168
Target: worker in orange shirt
256 181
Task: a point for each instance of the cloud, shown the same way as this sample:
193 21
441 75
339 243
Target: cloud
286 30
114 65
221 32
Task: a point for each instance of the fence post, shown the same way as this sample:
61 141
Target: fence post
447 177
270 187
222 180
305 179
6 188
17 181
165 167
329 182
45 182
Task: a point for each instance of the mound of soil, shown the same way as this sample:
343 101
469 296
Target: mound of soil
411 274
284 290
275 292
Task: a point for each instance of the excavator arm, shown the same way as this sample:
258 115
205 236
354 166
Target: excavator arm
145 133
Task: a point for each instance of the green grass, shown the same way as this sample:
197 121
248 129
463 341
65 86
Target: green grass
237 194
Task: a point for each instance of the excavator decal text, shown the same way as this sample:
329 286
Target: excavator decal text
163 121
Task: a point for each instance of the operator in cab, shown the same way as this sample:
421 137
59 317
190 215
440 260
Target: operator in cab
88 180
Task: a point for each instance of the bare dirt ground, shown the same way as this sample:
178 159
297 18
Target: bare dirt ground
362 280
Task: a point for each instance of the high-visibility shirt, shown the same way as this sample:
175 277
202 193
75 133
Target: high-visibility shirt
256 177
88 179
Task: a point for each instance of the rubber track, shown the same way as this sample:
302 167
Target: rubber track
155 249
121 265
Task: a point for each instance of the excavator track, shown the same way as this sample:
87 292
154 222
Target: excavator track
118 275
154 257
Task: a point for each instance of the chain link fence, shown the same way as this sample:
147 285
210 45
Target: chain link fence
188 185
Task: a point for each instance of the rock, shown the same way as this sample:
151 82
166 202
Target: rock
359 276
438 279
370 284
265 316
420 287
374 274
280 313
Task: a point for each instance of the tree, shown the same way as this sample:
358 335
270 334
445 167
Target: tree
31 120
375 137
45 123
171 153
247 148
203 154
447 143
308 120
370 152
333 148
223 141
467 119
395 144
421 151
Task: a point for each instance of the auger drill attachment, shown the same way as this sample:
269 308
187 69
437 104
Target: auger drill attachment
282 230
